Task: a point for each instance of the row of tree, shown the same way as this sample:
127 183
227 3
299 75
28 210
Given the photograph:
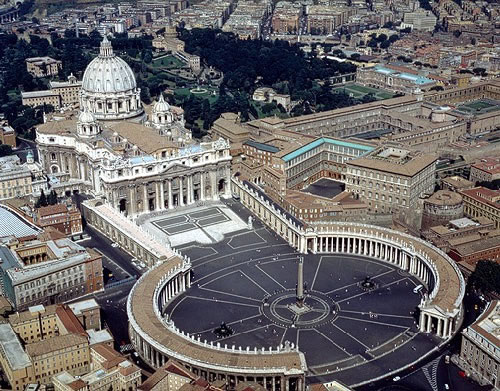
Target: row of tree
44 200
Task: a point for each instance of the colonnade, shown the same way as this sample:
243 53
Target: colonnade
173 287
126 106
373 248
273 377
408 253
271 382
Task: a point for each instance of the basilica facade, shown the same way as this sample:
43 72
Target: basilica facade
137 161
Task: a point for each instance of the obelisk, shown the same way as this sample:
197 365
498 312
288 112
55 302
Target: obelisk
300 283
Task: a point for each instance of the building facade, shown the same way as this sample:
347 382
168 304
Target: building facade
19 180
391 179
7 135
66 220
486 169
480 349
110 372
43 341
46 271
482 202
69 91
43 66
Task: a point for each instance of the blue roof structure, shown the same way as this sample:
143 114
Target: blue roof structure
262 146
322 140
416 79
142 159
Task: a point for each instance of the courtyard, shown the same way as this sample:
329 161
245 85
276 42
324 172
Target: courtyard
202 223
358 91
480 106
245 285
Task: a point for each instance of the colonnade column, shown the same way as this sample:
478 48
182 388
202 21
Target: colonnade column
190 189
181 192
170 197
202 187
146 203
162 195
133 201
213 184
157 196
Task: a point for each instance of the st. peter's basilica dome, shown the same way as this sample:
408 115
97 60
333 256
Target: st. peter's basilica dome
109 89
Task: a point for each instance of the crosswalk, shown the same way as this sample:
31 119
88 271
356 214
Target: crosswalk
430 373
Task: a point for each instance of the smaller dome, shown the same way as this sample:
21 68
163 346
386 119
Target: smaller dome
86 117
161 106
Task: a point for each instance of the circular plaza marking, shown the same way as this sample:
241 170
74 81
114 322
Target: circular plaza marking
357 317
282 309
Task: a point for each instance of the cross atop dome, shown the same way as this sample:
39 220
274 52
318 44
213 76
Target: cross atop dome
106 49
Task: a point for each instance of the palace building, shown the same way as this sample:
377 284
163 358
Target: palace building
112 150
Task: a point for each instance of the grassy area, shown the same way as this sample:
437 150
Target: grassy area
480 106
184 92
359 91
169 62
258 107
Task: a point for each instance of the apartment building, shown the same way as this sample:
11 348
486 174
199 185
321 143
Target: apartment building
41 342
66 219
43 66
286 17
48 269
482 202
391 179
480 349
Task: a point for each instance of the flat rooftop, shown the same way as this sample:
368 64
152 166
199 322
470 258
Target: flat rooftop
80 306
14 352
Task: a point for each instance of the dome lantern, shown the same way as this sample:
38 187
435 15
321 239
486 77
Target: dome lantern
106 50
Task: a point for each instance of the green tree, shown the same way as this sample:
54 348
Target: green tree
52 198
385 44
42 200
486 277
5 150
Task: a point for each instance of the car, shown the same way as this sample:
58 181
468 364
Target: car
397 378
446 386
114 244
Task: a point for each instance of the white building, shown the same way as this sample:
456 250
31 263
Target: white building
111 150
